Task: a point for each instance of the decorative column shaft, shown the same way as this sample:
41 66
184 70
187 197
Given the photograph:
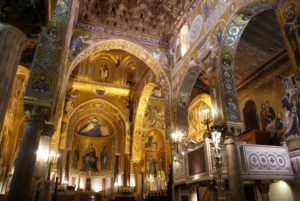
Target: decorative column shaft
39 97
236 187
212 192
43 150
116 168
25 162
263 187
126 170
12 43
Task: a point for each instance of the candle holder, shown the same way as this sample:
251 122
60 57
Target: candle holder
177 137
206 121
52 159
216 136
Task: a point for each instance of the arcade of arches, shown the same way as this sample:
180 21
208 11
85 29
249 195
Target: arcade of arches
150 100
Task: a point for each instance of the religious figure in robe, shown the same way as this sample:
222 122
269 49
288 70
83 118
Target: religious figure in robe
90 159
103 157
152 167
104 73
91 129
75 156
292 32
290 114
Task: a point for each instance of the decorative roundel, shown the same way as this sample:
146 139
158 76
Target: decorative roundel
228 86
263 160
254 160
234 31
229 41
280 161
195 28
272 161
226 74
42 82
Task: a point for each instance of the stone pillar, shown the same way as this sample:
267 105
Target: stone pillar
136 176
12 43
212 192
263 187
25 162
126 170
295 160
236 187
116 168
227 114
59 165
42 167
67 166
43 150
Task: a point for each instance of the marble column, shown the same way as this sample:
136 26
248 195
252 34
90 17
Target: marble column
43 150
25 162
116 168
12 43
42 167
126 170
212 192
295 160
136 176
263 187
236 187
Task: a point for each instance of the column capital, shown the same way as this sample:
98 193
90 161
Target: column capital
36 113
47 129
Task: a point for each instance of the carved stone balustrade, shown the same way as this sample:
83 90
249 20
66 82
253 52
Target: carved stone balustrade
257 162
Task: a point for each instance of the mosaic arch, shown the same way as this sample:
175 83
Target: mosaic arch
184 94
96 106
139 119
136 50
229 43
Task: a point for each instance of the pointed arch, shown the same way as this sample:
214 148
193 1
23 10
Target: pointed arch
141 53
138 121
232 35
184 95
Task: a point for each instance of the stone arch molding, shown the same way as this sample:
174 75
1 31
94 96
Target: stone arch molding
184 94
229 43
121 44
157 66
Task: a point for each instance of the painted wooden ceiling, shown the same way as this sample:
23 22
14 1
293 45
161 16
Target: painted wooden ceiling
260 44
